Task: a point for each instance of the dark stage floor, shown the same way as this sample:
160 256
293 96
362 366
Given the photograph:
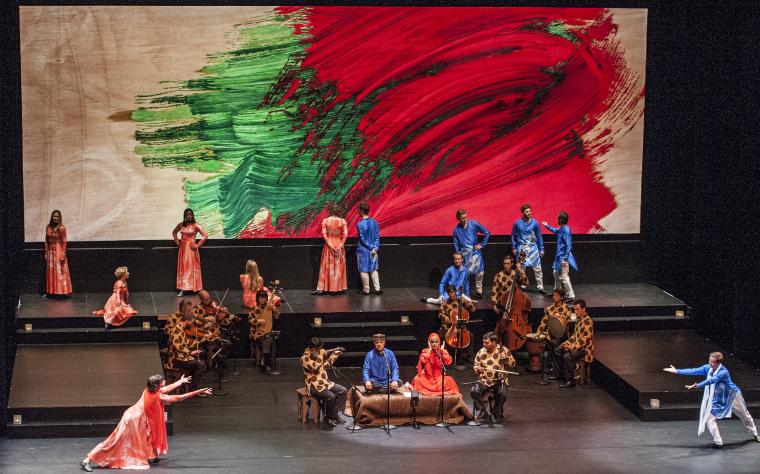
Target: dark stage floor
547 429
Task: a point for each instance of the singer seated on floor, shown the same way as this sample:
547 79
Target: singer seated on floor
380 369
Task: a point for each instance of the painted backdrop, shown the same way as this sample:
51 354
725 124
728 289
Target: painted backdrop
259 117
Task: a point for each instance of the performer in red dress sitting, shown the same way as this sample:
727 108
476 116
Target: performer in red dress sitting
117 309
140 436
189 259
252 281
57 277
430 370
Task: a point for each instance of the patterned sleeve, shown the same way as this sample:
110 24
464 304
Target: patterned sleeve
312 365
469 306
331 359
544 324
510 359
585 334
521 278
495 294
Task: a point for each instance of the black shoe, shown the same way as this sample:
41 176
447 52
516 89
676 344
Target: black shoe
493 419
154 461
568 300
181 293
542 291
567 384
364 294
317 292
479 295
107 326
339 420
85 466
378 292
553 377
332 423
757 438
716 446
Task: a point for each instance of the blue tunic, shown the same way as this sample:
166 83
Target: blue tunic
369 240
564 247
374 369
527 236
465 239
457 277
725 389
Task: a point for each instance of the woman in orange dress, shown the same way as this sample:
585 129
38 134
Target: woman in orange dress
250 288
140 436
429 370
189 260
332 268
57 277
117 309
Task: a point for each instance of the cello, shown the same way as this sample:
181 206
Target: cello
458 336
515 307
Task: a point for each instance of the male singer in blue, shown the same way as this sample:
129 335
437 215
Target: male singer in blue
563 259
366 252
526 236
377 363
466 242
456 276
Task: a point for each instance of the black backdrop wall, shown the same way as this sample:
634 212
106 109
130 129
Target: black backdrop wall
699 218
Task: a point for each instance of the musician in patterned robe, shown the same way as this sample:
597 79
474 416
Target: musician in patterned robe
451 304
181 355
502 284
491 356
260 320
580 345
466 242
209 317
315 361
526 236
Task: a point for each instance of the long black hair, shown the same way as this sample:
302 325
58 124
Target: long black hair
184 223
60 220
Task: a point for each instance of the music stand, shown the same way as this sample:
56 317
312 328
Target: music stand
220 369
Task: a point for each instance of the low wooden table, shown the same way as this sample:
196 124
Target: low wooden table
371 409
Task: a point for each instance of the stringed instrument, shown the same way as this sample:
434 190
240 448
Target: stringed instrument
515 307
458 337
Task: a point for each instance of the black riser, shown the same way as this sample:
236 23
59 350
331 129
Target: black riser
688 413
65 414
362 331
349 361
622 324
90 321
98 429
96 336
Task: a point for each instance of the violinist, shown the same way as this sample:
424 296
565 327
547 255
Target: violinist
315 361
207 323
260 320
181 355
491 364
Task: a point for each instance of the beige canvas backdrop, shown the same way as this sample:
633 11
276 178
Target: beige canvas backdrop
83 67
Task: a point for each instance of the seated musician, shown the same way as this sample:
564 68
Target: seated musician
580 345
430 379
175 319
492 357
315 361
458 277
380 367
206 329
450 305
181 355
260 319
558 309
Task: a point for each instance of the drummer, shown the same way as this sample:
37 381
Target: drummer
555 332
491 365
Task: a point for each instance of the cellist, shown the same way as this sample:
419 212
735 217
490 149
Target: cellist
453 304
503 282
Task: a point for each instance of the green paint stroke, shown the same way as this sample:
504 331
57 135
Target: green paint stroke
259 153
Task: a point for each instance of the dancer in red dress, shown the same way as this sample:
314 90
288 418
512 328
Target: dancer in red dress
332 268
429 370
57 278
189 259
140 436
251 281
117 309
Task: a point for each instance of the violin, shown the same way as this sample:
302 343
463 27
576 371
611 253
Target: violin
515 306
458 336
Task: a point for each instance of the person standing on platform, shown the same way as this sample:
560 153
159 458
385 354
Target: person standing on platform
57 277
252 281
563 258
526 237
721 398
492 357
260 321
368 232
466 242
332 268
140 438
189 260
181 356
315 361
580 345
430 367
456 276
380 367
117 310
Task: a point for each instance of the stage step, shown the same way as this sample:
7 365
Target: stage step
356 358
642 323
364 343
389 328
87 335
86 321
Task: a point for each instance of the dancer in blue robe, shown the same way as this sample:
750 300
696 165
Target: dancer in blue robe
368 231
466 242
457 276
563 259
526 236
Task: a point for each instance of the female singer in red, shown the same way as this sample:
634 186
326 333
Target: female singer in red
140 436
251 281
118 310
57 278
189 259
429 370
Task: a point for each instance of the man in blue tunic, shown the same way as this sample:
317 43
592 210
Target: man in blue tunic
466 242
526 236
380 369
721 398
366 252
456 276
563 259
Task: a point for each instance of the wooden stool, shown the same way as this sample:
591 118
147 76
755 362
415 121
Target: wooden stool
582 372
306 403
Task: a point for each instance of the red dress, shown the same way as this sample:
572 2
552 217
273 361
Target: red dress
139 436
117 309
428 378
249 295
332 268
189 260
57 278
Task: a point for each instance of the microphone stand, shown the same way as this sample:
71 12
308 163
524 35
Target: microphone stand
220 363
442 424
388 426
544 380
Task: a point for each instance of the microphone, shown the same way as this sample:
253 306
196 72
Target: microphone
443 366
387 365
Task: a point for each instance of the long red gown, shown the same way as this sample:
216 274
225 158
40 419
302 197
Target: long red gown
428 378
57 277
249 295
189 260
139 436
117 310
332 268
